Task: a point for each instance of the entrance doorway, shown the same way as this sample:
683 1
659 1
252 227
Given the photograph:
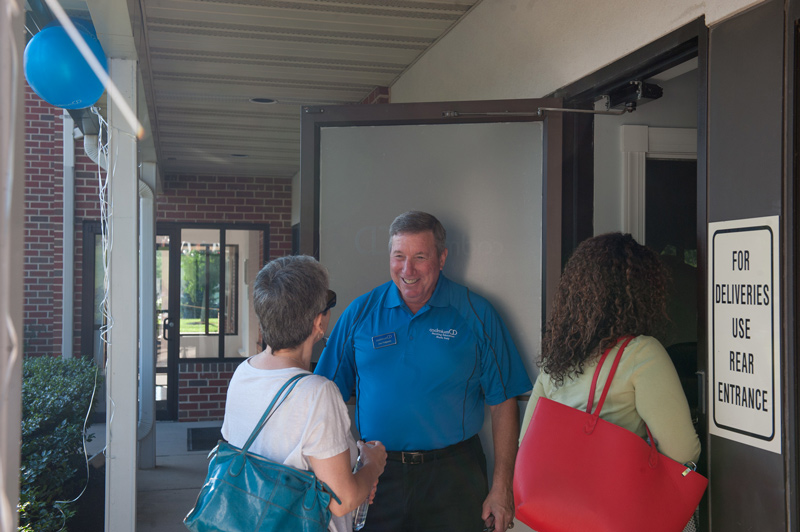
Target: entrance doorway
660 178
646 184
671 230
203 278
645 180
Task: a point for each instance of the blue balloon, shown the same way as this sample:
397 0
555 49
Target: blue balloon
57 71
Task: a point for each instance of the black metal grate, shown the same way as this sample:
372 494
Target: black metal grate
202 438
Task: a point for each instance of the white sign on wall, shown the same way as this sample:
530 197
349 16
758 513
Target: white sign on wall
744 327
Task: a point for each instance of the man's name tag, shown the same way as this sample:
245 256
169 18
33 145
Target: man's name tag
384 340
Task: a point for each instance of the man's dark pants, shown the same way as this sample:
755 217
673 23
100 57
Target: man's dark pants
444 493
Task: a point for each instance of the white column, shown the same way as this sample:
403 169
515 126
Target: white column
68 248
12 205
121 366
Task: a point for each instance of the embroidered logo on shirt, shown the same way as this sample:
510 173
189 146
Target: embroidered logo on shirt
444 334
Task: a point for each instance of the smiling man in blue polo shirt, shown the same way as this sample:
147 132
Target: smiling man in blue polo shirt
422 355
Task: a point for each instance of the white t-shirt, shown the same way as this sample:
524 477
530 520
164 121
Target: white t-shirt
312 421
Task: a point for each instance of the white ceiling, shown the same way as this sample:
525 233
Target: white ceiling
202 61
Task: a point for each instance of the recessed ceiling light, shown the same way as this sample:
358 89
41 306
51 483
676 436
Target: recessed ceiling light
239 155
263 100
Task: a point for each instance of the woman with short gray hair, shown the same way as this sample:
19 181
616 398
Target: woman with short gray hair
311 430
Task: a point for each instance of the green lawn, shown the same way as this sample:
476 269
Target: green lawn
198 326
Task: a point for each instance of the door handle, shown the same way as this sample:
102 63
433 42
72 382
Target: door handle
701 391
167 325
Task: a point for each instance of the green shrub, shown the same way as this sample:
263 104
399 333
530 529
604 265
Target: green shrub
56 395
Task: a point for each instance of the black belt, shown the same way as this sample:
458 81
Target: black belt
420 457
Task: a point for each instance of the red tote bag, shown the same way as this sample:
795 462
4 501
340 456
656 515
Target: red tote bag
577 472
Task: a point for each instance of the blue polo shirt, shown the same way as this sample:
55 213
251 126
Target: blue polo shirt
421 380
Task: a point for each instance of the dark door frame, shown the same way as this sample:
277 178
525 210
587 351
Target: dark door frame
173 344
791 243
91 228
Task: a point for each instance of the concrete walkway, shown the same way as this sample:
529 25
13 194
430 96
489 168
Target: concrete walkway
167 493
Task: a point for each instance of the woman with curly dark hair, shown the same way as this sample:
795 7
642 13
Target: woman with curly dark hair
613 287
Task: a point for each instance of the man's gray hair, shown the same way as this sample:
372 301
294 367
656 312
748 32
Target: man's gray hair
414 222
288 293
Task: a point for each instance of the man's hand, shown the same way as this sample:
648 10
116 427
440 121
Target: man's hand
498 509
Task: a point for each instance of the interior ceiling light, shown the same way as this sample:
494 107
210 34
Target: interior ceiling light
263 100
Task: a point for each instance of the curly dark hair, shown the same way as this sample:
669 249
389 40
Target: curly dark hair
611 286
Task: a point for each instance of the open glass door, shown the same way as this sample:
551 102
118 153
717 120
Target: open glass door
165 326
167 331
490 171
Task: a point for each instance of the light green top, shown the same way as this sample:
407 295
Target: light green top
646 388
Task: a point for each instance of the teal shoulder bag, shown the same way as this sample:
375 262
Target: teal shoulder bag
245 492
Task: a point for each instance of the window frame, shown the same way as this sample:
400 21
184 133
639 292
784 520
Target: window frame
177 227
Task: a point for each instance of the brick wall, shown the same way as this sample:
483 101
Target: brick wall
378 95
87 207
218 199
44 236
202 390
43 231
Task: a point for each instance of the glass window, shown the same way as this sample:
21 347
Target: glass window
202 288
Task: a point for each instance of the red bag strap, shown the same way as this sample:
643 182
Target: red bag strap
611 374
590 424
590 402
